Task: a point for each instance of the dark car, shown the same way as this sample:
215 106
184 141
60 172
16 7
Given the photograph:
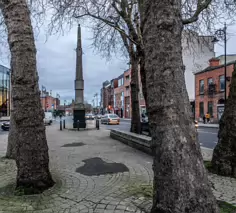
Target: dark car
5 126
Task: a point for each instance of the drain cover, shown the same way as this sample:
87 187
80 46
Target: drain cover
96 166
73 144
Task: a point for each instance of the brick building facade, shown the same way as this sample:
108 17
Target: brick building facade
119 96
127 96
48 102
210 89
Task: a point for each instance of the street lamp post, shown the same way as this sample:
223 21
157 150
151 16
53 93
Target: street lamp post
222 35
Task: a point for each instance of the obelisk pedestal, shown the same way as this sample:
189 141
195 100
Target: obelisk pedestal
79 108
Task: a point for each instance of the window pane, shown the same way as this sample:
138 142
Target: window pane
201 86
222 82
210 81
210 108
201 109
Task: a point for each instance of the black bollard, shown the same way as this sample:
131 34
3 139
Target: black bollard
64 123
78 125
97 124
60 125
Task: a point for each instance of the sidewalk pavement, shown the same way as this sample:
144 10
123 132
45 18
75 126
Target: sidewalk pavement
199 124
208 125
76 159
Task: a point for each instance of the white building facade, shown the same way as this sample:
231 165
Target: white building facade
197 50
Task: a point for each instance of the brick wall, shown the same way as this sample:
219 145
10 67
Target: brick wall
218 95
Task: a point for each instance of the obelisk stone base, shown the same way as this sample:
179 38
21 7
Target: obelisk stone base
79 115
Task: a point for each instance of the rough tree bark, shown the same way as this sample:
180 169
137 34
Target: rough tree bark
180 179
224 155
134 84
11 145
31 146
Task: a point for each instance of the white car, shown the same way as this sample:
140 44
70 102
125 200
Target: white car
48 118
110 119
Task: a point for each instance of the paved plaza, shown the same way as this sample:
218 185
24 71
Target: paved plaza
93 173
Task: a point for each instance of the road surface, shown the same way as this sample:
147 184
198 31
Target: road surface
207 136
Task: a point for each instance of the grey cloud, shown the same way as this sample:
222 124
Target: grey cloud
56 65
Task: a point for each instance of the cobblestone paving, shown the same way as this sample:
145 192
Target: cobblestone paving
74 192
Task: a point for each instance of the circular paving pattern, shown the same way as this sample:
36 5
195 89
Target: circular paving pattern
74 192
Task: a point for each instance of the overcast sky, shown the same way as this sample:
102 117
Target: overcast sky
56 63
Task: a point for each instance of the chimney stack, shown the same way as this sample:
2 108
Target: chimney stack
214 62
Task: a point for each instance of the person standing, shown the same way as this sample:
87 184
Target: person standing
208 117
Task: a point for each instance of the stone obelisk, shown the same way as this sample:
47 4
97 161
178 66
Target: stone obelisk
79 109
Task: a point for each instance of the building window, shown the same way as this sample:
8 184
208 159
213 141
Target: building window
201 109
210 81
127 77
222 83
210 108
201 86
127 88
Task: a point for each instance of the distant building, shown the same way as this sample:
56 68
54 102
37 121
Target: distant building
210 88
48 102
119 97
197 50
127 95
4 91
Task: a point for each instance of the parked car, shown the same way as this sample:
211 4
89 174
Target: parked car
5 126
110 119
98 116
89 117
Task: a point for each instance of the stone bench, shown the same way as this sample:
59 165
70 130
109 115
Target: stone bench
140 142
143 143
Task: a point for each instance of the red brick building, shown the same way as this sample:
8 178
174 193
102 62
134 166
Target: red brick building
210 89
119 97
127 96
48 102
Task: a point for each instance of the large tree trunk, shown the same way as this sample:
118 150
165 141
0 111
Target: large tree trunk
11 145
224 155
31 146
134 84
180 179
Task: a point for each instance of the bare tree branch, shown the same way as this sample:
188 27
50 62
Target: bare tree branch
201 5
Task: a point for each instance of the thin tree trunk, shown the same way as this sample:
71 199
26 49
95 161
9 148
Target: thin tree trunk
134 84
180 179
31 147
12 139
224 155
143 77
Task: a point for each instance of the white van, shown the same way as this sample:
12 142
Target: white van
48 118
